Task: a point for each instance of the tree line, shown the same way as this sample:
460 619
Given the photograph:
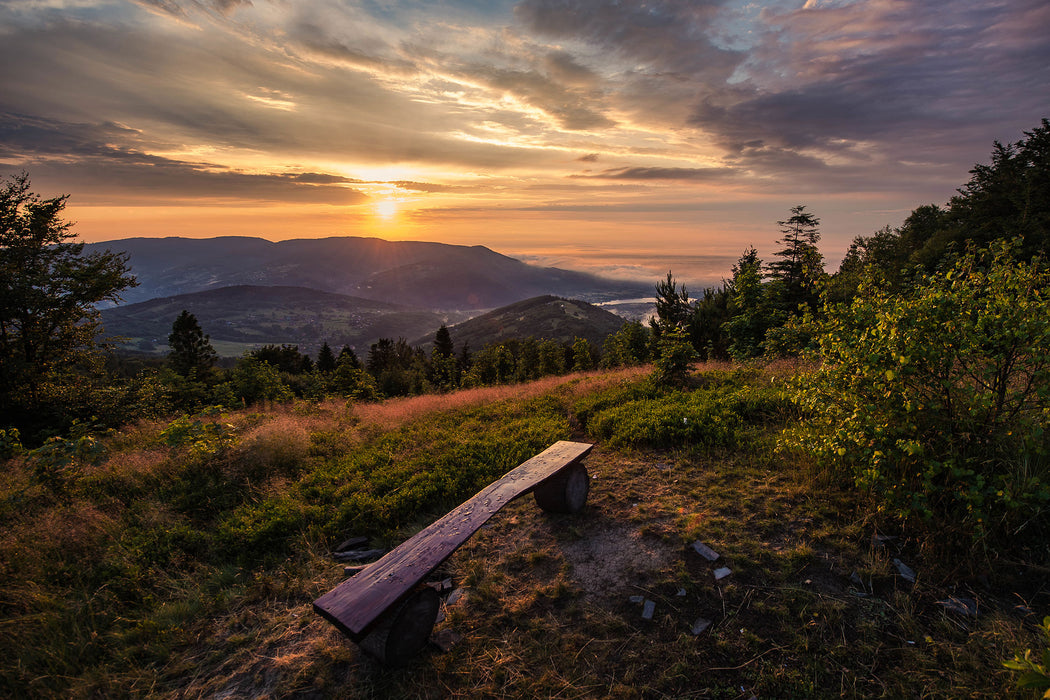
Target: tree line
767 309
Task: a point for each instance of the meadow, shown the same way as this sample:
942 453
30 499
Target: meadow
178 558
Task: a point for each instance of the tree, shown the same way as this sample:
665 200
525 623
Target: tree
49 321
672 305
750 312
936 398
443 343
286 358
801 266
191 352
325 359
348 356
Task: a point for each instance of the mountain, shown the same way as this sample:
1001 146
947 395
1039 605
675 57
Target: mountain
542 317
242 317
433 276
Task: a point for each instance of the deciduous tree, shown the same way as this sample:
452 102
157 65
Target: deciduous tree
49 320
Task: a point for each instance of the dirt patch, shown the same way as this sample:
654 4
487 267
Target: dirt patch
608 562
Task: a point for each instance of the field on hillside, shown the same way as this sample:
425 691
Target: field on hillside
179 559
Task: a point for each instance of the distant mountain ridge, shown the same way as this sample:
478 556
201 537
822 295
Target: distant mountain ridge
434 276
544 318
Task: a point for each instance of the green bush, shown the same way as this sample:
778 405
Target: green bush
938 399
1035 672
10 443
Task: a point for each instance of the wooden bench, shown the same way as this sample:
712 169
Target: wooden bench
387 611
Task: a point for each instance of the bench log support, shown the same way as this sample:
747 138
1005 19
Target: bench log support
386 611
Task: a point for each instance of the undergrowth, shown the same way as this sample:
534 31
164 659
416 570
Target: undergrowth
179 558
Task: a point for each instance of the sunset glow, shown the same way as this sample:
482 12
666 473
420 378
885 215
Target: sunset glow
684 130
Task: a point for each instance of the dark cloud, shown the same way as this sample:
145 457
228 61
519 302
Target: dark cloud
178 8
427 186
896 81
589 158
575 107
656 173
81 157
660 35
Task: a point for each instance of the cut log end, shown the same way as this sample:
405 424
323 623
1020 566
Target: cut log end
565 492
400 635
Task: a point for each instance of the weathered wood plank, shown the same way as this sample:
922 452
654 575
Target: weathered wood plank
355 605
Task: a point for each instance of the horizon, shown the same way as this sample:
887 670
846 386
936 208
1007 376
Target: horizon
613 136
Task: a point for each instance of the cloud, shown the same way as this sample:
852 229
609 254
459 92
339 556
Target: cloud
660 173
81 158
889 79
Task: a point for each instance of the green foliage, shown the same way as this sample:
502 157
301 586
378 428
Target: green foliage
57 463
286 358
582 355
1035 672
353 382
49 320
254 381
676 356
627 347
203 433
800 267
938 400
645 414
750 310
673 308
10 443
191 353
326 361
706 330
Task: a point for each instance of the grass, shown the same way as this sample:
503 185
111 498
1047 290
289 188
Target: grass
186 568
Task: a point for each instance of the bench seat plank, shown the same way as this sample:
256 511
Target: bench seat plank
357 603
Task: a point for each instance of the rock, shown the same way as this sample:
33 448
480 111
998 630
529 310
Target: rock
906 573
446 639
352 543
359 554
636 599
700 625
456 596
961 606
648 609
680 593
722 573
705 551
879 541
441 586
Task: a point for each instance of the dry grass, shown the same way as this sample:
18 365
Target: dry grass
393 413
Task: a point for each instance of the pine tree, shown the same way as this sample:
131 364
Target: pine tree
191 352
325 359
801 266
443 346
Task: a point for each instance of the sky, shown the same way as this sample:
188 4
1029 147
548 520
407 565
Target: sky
627 137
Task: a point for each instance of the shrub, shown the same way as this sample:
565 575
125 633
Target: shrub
938 399
1033 673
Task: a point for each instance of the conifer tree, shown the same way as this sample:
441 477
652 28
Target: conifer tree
443 342
801 266
325 359
191 352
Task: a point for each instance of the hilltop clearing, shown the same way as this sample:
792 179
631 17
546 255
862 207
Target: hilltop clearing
180 558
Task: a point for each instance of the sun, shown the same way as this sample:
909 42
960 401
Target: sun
386 209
